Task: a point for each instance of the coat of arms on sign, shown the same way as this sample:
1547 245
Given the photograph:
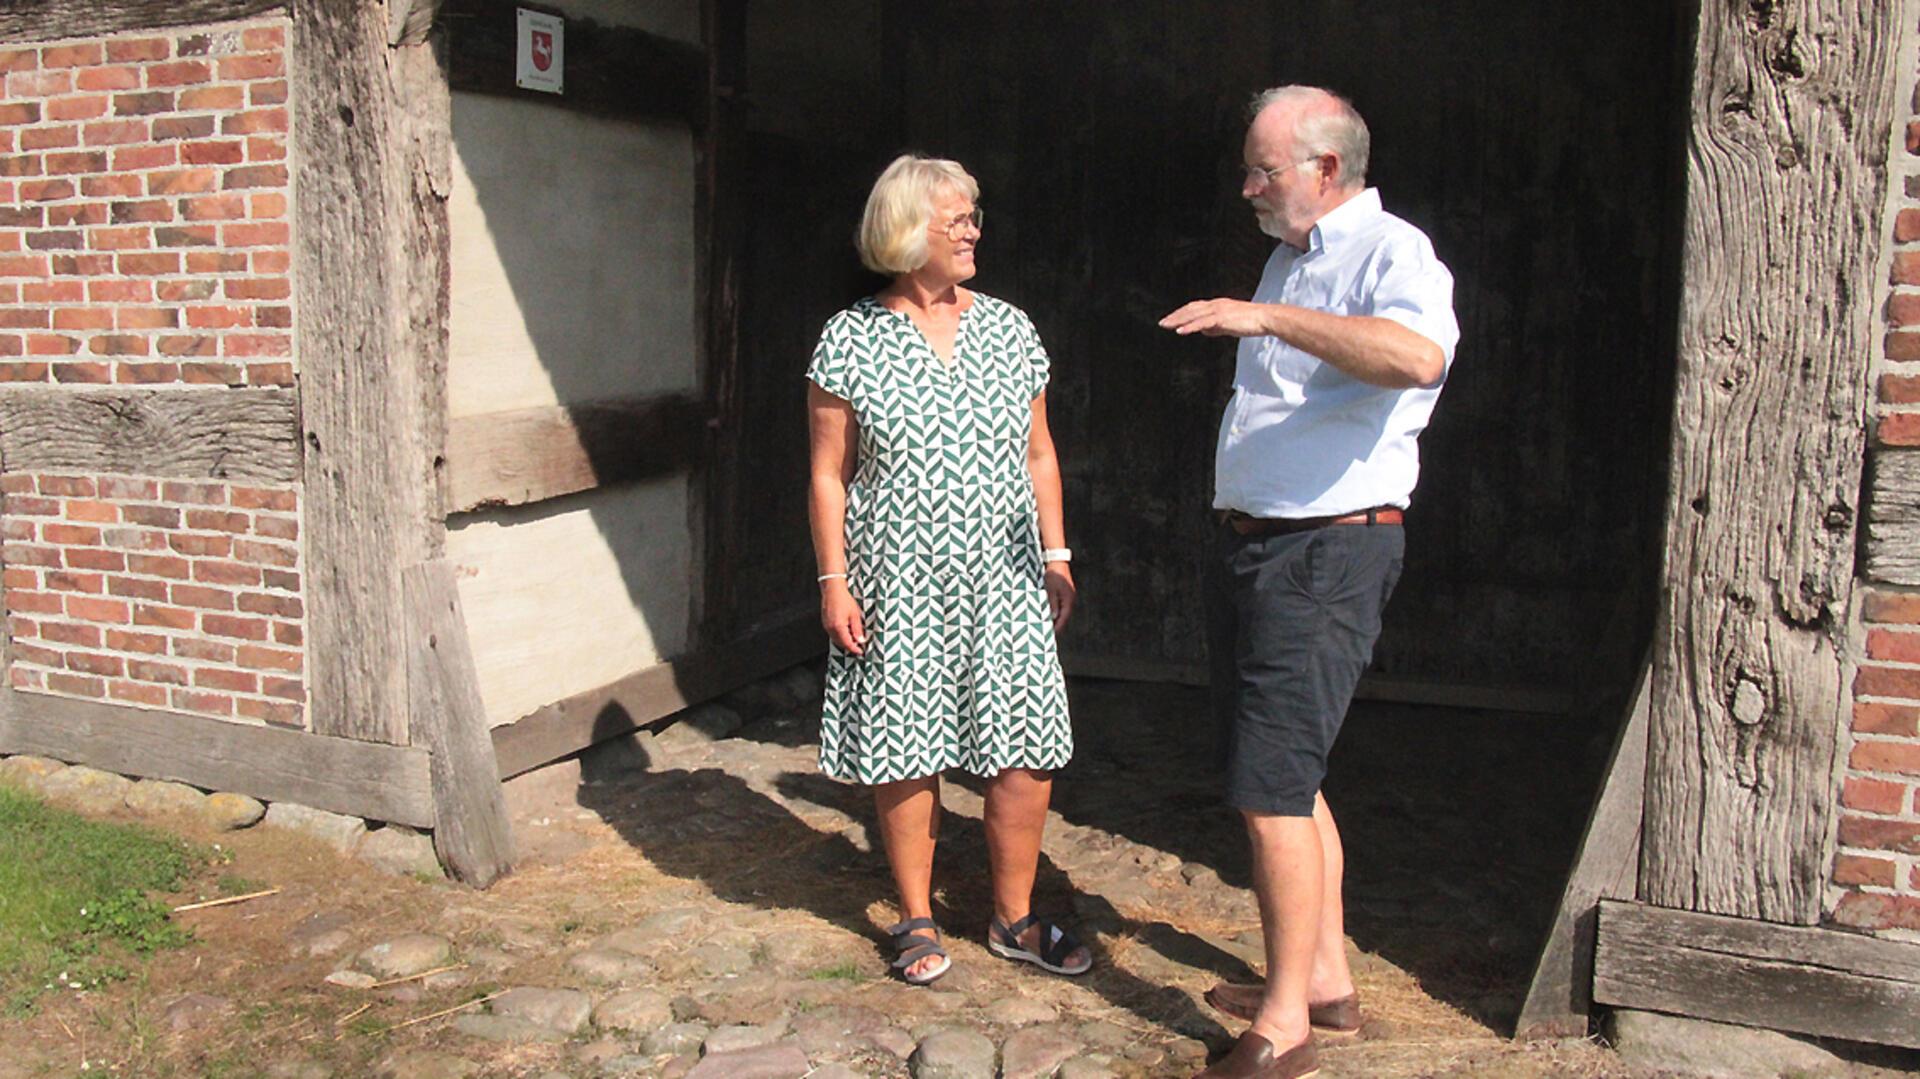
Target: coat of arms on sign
539 60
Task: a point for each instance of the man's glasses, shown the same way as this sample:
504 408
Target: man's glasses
957 227
1259 177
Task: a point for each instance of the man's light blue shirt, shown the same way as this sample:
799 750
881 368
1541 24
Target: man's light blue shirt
1302 439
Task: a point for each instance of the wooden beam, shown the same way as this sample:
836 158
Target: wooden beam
573 724
176 434
409 20
1892 547
720 202
44 20
471 830
610 70
371 146
274 764
1606 866
1731 970
1786 180
527 455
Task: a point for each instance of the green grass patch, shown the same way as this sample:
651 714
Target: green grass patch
74 898
841 972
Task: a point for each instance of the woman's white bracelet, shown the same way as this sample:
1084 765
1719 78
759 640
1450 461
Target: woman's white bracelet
1057 554
825 577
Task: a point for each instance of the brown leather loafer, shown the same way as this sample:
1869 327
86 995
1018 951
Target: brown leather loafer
1339 1018
1252 1057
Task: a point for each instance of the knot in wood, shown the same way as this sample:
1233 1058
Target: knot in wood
1749 701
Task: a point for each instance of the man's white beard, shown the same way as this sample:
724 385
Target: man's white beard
1269 224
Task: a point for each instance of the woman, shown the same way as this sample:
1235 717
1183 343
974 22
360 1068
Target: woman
944 572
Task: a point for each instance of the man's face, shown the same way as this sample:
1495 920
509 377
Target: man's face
1286 201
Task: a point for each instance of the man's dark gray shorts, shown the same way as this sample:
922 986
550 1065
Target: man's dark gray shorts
1292 619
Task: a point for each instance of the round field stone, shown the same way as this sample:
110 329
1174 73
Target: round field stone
154 796
403 957
88 790
675 1039
953 1054
564 1010
635 1011
231 812
1037 1051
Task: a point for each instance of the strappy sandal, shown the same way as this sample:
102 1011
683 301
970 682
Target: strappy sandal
913 947
1056 944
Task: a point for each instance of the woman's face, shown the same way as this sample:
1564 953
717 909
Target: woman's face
951 238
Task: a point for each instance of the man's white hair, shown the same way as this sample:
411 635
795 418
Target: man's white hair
1338 130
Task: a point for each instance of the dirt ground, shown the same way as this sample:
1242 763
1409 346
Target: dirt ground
759 894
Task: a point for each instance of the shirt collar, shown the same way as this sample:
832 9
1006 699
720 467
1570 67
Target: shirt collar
1344 220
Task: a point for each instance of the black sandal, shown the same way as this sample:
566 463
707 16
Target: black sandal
913 947
1056 944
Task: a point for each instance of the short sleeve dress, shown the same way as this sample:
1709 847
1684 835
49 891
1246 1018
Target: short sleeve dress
943 552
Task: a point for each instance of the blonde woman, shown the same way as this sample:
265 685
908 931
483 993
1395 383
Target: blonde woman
943 563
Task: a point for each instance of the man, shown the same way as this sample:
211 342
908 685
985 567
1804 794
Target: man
1343 350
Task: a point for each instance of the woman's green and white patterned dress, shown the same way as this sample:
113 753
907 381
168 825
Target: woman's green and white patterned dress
943 552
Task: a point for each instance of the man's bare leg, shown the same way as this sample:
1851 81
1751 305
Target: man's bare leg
1287 871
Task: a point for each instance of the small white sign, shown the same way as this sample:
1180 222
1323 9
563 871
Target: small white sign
540 59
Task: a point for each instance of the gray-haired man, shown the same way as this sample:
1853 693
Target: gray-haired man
1343 351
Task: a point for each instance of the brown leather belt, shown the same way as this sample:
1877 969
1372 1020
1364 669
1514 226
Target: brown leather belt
1276 526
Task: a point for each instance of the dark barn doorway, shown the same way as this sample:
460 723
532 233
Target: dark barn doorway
1542 155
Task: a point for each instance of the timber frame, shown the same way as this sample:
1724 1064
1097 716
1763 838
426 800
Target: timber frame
1704 867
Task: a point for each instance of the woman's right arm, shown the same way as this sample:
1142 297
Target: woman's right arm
833 432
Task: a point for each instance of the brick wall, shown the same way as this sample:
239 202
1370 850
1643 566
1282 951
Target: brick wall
144 241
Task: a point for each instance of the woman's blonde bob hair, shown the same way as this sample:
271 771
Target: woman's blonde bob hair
893 231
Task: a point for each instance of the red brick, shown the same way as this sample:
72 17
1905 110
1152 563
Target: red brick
178 291
17 483
138 693
32 507
159 566
120 291
111 187
24 266
217 521
256 122
89 558
261 38
1855 869
218 704
172 128
1866 833
98 610
216 261
137 588
24 84
142 104
151 516
1881 605
1871 717
179 73
258 288
267 93
212 374
1900 757
269 205
194 45
213 208
236 681
280 528
288 633
221 625
1874 681
125 488
76 685
1904 346
27 555
270 374
265 498
22 165
135 539
23 318
1866 910
284 688
1898 647
265 554
201 649
1906 227
206 599
28 653
35 603
73 581
50 138
256 344
19 60
237 573
150 671
169 617
121 640
114 132
280 715
92 663
186 236
182 182
88 510
266 148
16 578
256 176
217 318
212 98
83 55
242 68
146 374
71 535
24 217
121 239
150 263
214 153
68 633
260 657
278 606
119 345
19 112
205 494
188 346
109 78
69 486
129 213
281 579
146 318
137 158
196 545
135 50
